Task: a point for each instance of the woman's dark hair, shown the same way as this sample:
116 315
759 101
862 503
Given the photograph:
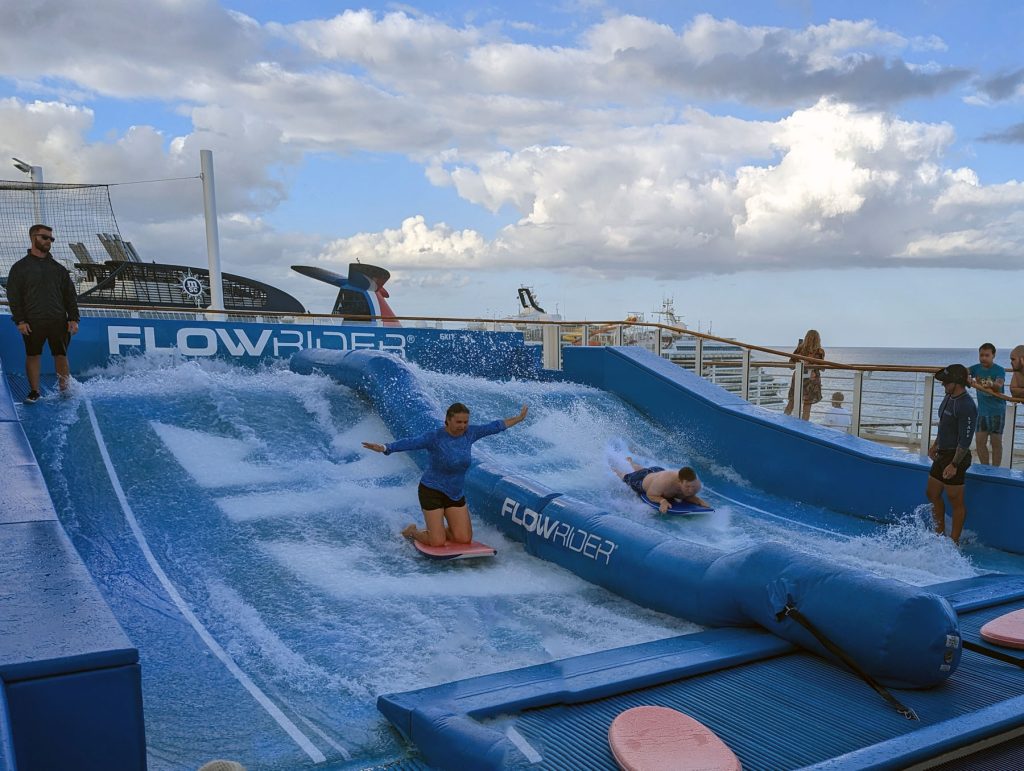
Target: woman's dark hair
456 409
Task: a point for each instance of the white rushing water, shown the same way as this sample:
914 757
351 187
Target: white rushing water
281 535
575 435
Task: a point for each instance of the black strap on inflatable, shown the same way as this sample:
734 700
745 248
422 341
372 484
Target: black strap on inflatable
998 655
791 611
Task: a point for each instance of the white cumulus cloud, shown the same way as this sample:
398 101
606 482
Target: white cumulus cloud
414 244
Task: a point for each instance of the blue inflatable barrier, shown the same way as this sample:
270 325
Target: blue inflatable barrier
903 636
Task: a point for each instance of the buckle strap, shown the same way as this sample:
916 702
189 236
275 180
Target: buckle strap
790 611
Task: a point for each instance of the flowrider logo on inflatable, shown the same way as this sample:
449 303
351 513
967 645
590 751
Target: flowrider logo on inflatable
572 538
255 342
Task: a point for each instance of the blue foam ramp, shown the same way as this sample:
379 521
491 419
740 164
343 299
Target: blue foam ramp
766 447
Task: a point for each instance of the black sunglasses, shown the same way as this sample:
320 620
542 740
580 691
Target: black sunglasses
46 238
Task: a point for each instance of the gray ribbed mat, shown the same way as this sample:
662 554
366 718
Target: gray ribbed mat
783 713
18 385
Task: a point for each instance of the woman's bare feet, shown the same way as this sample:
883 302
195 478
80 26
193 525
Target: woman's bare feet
409 531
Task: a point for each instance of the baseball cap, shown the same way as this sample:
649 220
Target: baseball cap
954 373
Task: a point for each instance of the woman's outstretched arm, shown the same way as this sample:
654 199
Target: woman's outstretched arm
509 422
401 445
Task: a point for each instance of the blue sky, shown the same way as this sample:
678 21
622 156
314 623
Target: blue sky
771 166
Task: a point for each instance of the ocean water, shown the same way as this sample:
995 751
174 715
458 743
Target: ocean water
915 357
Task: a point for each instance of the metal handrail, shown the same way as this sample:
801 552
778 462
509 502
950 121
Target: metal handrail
651 325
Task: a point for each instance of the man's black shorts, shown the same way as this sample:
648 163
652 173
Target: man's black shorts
942 459
53 332
635 479
431 499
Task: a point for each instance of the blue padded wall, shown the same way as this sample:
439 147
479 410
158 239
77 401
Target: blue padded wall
6 738
790 457
70 678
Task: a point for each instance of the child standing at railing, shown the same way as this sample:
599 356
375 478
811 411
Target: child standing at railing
987 378
838 416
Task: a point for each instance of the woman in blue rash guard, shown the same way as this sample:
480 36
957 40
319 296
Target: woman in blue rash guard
440 491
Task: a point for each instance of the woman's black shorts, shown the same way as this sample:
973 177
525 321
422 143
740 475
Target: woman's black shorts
53 332
431 499
942 459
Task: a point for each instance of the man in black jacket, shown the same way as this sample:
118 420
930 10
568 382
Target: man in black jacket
44 305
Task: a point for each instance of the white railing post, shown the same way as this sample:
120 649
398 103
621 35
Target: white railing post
1009 433
552 353
586 335
927 407
657 341
745 375
617 339
698 356
798 389
858 396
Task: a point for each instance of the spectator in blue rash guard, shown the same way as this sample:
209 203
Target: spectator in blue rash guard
440 491
987 378
951 450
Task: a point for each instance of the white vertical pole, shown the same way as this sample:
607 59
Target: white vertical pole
798 389
1009 433
858 396
551 355
745 376
916 425
586 335
698 356
657 341
927 407
36 175
618 335
212 234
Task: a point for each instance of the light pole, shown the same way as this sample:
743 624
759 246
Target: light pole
212 232
35 173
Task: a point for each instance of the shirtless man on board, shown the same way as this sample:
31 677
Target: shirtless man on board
663 487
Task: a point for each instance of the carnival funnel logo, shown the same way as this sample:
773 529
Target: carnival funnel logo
193 288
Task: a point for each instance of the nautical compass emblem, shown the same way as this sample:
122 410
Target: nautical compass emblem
193 288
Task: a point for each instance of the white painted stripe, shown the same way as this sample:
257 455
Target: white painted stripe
832 533
522 745
313 727
275 712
